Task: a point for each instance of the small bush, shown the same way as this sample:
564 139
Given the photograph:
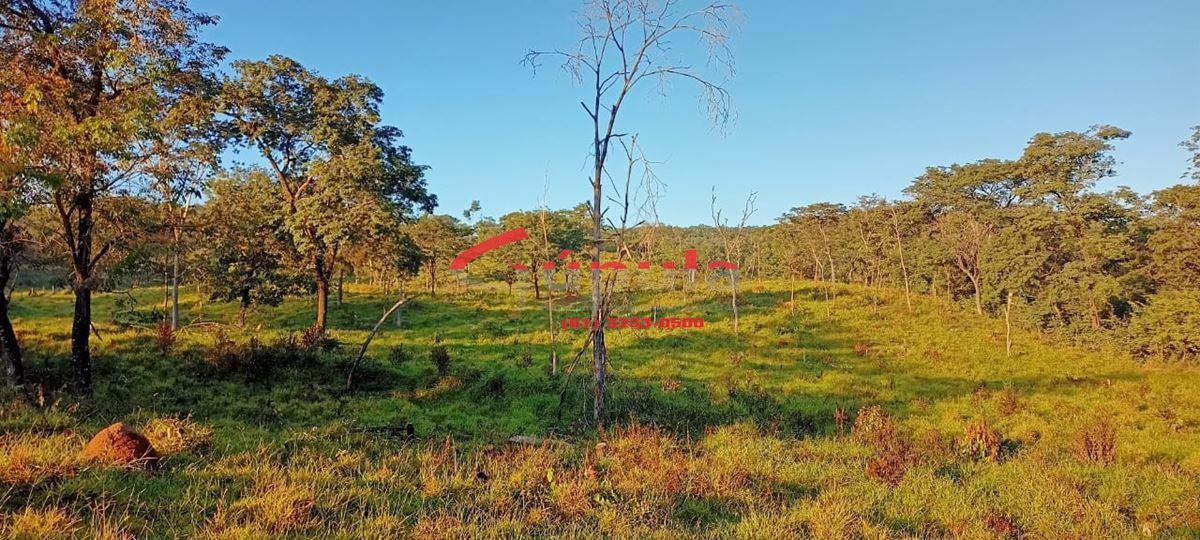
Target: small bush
980 442
223 353
441 359
1096 442
399 355
891 450
255 360
1008 403
164 337
1004 526
868 422
314 339
494 384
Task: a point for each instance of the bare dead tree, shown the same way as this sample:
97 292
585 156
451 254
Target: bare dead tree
624 43
733 242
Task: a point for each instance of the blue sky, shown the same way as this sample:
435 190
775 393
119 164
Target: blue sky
833 99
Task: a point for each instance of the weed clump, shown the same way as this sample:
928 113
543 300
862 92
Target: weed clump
164 337
980 442
399 355
175 435
890 458
1096 442
34 524
494 385
441 359
315 339
1008 403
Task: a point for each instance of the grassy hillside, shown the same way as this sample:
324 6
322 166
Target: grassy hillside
842 416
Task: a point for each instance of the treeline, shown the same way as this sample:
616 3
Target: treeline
1029 239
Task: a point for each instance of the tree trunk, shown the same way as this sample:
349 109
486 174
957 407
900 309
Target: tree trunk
81 328
1008 324
903 263
341 283
322 296
10 348
733 289
537 289
81 323
978 295
175 290
599 350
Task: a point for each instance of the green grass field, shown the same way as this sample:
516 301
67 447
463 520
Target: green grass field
711 434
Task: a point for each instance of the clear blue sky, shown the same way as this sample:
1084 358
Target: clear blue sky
833 99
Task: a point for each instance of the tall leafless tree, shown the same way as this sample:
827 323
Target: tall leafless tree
733 240
623 43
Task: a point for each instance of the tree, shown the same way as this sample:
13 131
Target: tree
18 178
339 174
551 232
733 242
624 43
439 238
1174 245
103 81
245 256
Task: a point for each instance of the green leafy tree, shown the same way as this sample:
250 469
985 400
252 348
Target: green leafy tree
340 175
245 255
103 81
440 238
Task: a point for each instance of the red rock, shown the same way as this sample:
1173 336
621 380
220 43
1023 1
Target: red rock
120 445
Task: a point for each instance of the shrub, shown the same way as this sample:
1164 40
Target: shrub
494 384
399 355
164 336
313 339
1004 526
1096 442
441 359
890 458
979 442
255 360
224 352
869 421
1008 404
